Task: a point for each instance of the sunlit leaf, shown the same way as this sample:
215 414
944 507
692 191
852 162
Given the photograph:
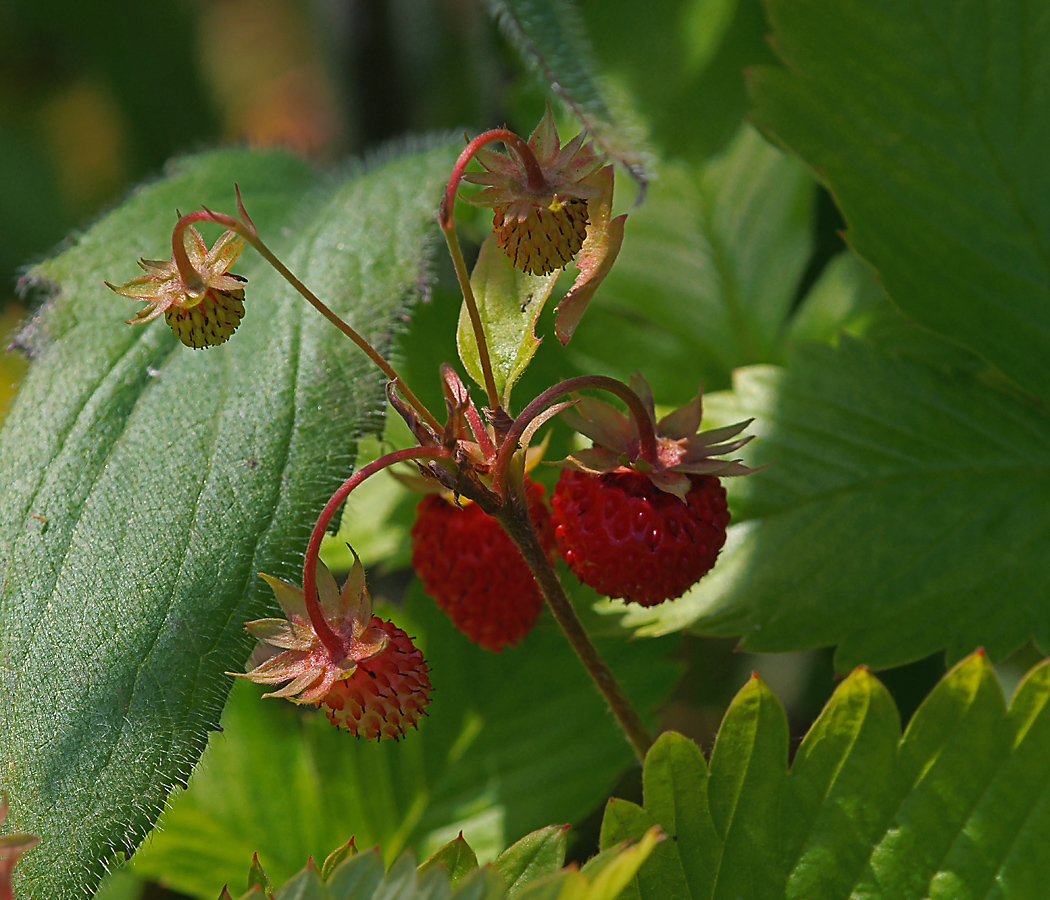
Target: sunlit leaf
145 484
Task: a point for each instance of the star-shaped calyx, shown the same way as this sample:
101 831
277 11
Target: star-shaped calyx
681 449
290 650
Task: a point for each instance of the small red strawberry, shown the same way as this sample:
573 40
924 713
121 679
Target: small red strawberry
374 688
385 693
626 538
644 530
473 570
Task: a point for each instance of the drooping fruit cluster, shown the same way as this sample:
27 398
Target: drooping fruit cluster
474 572
385 694
626 538
643 525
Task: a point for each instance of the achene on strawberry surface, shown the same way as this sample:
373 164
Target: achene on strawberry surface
473 570
643 524
626 538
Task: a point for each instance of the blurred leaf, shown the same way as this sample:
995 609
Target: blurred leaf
694 98
551 39
956 805
120 885
707 274
929 123
903 512
478 764
144 484
846 297
509 303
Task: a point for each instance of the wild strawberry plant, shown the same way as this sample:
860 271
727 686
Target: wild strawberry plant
893 504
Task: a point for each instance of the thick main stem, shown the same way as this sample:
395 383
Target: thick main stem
515 520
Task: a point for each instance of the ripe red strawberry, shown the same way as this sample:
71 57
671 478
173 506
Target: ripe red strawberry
385 694
473 570
626 538
641 513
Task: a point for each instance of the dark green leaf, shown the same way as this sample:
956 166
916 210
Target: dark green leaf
904 511
930 122
144 485
694 99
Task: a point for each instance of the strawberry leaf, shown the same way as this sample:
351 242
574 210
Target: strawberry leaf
901 513
455 858
955 805
929 123
273 762
708 272
142 484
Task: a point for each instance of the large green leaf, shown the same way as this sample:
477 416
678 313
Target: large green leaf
144 485
957 808
929 122
511 742
904 511
708 271
695 98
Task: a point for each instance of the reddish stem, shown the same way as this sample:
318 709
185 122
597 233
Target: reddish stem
329 638
646 433
537 182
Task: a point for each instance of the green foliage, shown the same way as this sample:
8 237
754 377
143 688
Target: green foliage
707 274
954 807
900 513
509 303
478 764
683 62
145 485
453 874
929 123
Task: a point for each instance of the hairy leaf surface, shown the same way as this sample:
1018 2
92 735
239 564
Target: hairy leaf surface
144 484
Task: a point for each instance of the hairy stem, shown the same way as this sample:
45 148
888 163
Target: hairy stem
249 233
328 637
515 519
646 433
